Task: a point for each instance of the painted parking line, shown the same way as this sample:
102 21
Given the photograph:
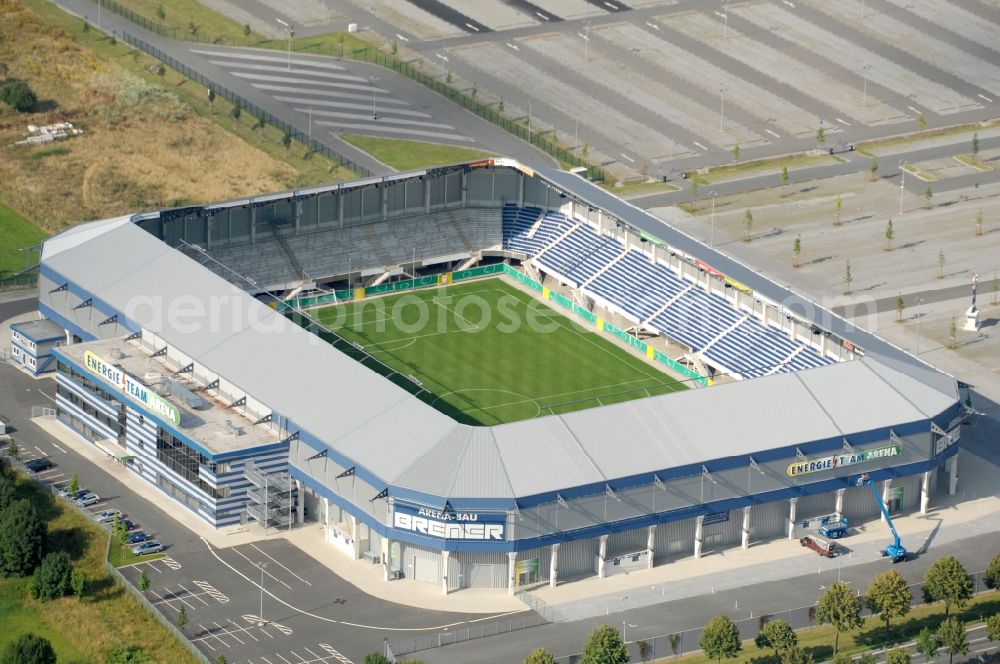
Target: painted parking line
258 567
174 597
197 596
59 448
280 565
984 97
340 657
700 145
171 563
40 450
772 133
212 592
207 638
260 624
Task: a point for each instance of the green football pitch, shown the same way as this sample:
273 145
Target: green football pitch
486 353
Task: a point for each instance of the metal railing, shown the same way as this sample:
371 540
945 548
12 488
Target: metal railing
245 105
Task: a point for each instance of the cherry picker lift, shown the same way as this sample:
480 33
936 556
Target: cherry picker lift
895 551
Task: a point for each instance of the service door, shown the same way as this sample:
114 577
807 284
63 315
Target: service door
480 576
425 569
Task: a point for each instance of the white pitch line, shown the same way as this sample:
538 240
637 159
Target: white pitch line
280 565
984 97
772 133
843 122
700 145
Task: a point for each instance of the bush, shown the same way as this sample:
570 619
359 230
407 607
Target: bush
22 534
18 95
130 654
53 578
8 492
376 658
992 576
29 649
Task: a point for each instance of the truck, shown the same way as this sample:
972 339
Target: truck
823 547
894 551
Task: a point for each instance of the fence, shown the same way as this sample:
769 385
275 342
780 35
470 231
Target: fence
373 56
245 105
19 282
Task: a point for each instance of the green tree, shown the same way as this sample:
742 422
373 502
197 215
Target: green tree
220 659
247 30
160 12
921 121
947 581
993 627
74 485
838 606
992 575
888 596
260 123
13 451
928 195
18 95
796 656
874 168
900 305
975 145
286 140
78 581
837 204
842 658
777 635
143 580
867 658
161 71
720 639
897 655
500 106
86 27
951 633
926 643
890 235
236 112
211 99
604 646
193 28
22 535
448 79
848 277
784 175
376 658
540 656
8 491
747 226
119 534
797 248
736 151
128 654
820 135
28 649
53 578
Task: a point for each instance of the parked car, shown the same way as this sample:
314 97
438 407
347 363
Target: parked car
148 546
107 516
79 493
38 465
129 524
88 499
823 547
137 537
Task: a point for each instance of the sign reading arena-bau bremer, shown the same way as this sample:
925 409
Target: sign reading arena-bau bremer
838 460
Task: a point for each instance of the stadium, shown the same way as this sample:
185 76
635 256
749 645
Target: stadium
481 375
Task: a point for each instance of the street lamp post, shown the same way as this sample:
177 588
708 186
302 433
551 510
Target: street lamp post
374 112
902 184
711 241
864 94
725 18
262 566
586 41
722 105
918 301
290 31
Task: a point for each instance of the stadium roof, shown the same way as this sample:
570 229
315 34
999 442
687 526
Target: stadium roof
347 406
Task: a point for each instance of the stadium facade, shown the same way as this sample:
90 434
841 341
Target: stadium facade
175 366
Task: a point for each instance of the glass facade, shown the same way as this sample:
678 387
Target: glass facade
115 424
185 461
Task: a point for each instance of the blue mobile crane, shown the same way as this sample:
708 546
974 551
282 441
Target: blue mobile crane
895 551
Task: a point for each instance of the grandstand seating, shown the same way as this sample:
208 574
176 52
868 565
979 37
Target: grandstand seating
653 295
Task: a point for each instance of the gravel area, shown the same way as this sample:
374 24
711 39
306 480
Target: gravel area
885 72
774 63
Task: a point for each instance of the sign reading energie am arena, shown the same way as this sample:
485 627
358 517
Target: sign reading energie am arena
838 460
132 387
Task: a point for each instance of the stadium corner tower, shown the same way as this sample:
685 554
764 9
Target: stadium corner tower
182 361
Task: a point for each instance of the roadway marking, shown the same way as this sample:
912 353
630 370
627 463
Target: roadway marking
700 145
340 622
984 97
401 37
443 57
209 635
280 565
543 16
719 14
265 571
613 6
625 156
228 633
653 25
772 133
843 122
513 46
790 4
171 563
915 110
59 448
212 592
472 27
40 450
332 651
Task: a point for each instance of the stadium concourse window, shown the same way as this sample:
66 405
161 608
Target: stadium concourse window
82 404
84 381
180 458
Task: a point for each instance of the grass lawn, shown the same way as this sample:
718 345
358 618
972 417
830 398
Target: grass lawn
488 353
759 166
818 641
412 155
122 557
17 232
107 616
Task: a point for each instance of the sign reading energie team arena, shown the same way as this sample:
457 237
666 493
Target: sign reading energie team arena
132 387
837 460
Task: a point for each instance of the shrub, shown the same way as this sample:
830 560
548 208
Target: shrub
18 95
54 576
